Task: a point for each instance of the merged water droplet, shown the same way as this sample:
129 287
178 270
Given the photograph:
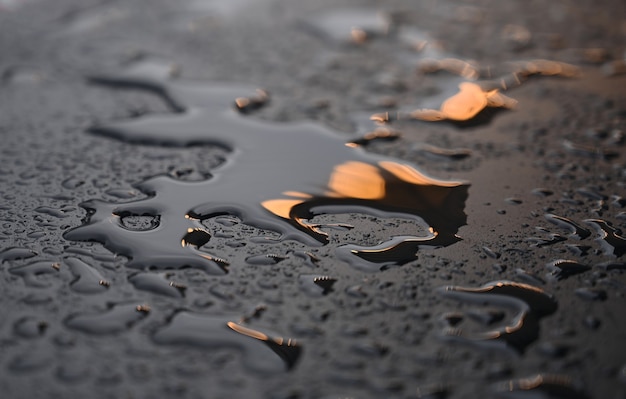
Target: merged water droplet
31 272
262 352
529 303
116 319
613 243
576 231
15 253
88 280
562 268
541 386
158 283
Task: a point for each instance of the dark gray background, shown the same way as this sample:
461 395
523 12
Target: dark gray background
385 340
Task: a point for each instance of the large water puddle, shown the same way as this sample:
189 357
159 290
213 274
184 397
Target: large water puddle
278 177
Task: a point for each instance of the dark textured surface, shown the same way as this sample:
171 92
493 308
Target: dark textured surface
76 322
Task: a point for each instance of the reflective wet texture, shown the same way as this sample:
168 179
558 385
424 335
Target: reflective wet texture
279 176
116 319
529 303
541 386
207 201
263 353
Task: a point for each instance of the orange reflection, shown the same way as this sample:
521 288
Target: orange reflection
259 335
281 207
410 175
356 180
466 104
247 331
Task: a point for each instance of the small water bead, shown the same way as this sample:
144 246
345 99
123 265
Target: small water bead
591 294
542 192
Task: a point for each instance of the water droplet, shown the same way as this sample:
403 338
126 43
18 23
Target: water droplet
554 349
542 192
30 361
576 231
122 194
262 352
612 243
87 280
592 322
562 268
57 213
159 283
513 201
590 151
489 252
72 183
591 294
542 385
31 272
73 373
114 320
349 26
29 327
16 253
529 303
543 242
266 259
612 265
316 285
444 153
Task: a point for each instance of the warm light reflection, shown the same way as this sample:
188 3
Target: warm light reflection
259 335
356 180
472 98
297 194
466 104
247 331
411 175
281 207
358 35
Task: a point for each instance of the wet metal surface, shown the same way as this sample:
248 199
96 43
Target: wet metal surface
278 199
